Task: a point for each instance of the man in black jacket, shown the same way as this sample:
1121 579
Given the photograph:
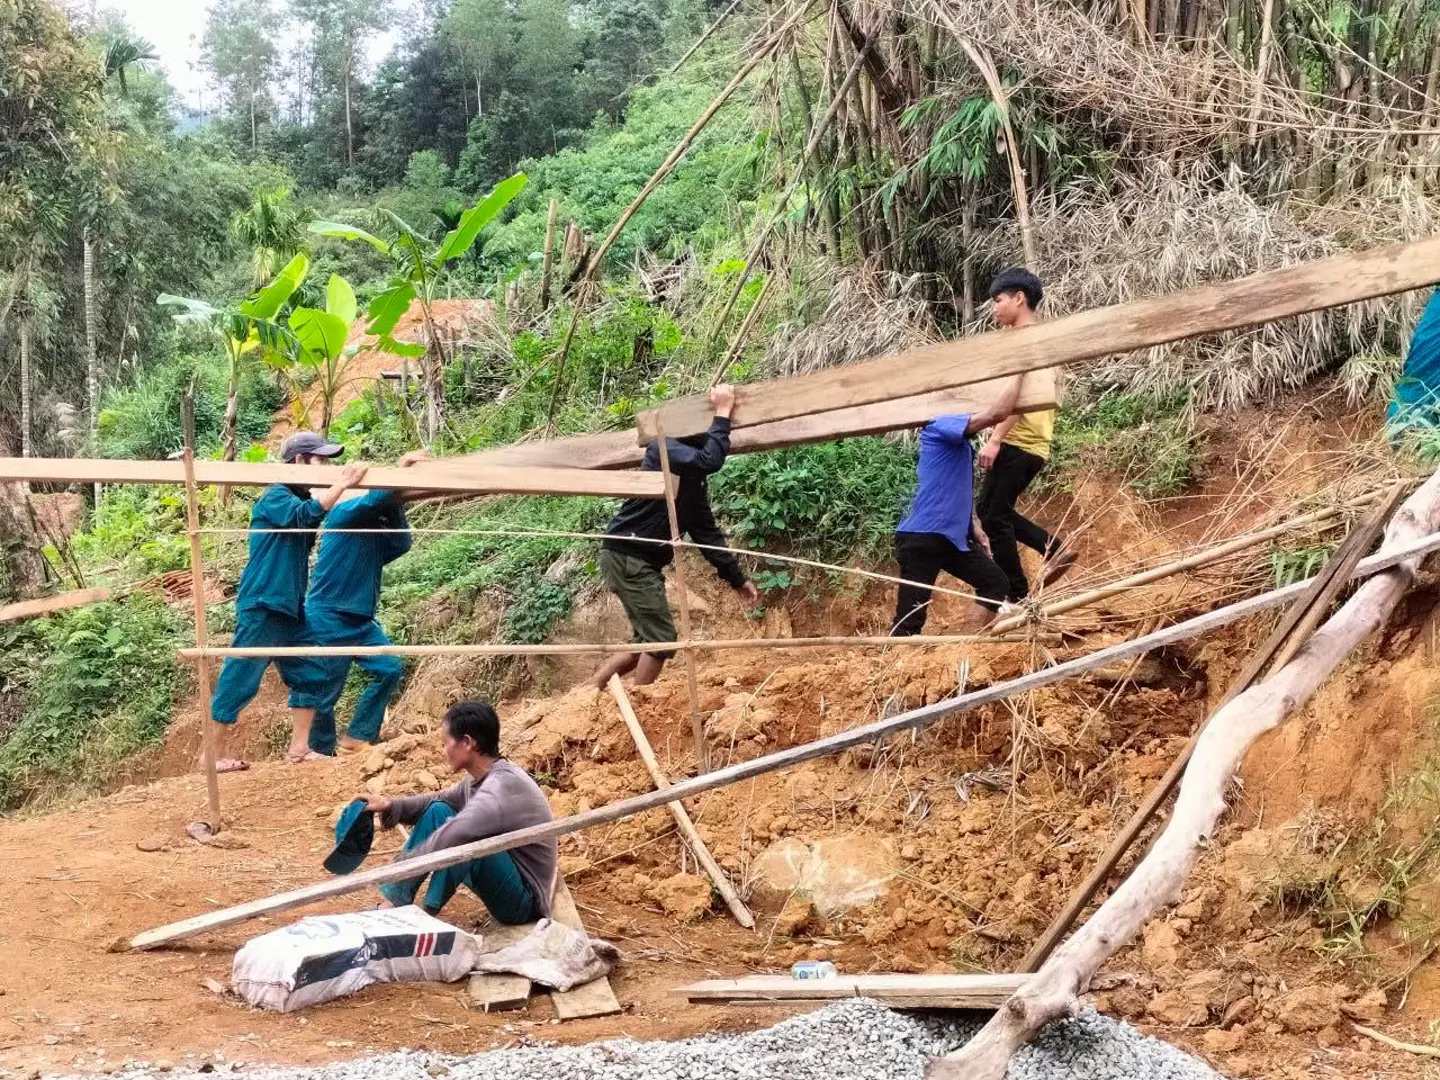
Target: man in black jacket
633 569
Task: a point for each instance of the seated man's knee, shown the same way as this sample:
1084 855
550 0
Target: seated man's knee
435 815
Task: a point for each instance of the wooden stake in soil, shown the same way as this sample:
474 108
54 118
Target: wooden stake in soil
1406 552
697 725
1293 630
202 636
677 810
549 254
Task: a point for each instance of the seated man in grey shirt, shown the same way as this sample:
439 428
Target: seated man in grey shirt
495 797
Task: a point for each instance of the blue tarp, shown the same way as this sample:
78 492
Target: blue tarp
1417 392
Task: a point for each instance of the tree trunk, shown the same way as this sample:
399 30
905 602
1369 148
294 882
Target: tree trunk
479 102
349 122
229 436
1055 991
92 363
25 402
24 574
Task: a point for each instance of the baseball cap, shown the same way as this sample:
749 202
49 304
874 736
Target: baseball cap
307 442
354 833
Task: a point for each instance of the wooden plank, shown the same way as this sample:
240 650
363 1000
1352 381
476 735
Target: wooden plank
1293 629
496 991
478 478
677 810
915 991
620 450
863 735
48 605
1088 335
595 998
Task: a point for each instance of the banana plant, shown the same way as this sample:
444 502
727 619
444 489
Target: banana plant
320 338
243 329
420 265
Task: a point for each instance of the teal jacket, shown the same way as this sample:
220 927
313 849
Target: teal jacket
349 566
274 578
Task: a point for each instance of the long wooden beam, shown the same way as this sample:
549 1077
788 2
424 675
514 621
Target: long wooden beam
48 605
470 477
942 991
1121 328
744 770
619 450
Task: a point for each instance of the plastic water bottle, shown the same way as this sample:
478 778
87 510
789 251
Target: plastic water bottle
813 969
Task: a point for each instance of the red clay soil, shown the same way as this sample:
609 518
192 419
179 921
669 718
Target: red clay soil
986 820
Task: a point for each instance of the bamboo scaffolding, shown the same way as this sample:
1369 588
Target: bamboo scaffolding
863 735
202 637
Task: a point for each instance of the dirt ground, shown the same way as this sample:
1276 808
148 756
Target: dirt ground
966 837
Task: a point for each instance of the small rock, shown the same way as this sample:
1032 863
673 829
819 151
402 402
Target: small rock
1177 1008
1162 945
1369 1008
1309 1008
1241 1011
374 762
375 785
213 986
153 843
322 811
795 917
225 841
1217 1041
1330 1036
427 781
683 896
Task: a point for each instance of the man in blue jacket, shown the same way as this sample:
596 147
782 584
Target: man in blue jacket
269 607
633 564
340 608
940 531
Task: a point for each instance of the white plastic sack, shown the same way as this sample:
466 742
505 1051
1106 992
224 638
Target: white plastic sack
328 956
553 955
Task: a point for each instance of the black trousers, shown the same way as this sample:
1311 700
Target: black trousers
1006 527
921 557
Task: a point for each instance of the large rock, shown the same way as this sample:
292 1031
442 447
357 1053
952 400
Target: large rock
836 873
685 897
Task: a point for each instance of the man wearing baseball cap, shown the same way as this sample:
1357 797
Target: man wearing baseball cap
269 606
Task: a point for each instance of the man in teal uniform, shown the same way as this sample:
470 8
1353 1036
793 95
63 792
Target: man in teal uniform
269 607
340 608
1415 403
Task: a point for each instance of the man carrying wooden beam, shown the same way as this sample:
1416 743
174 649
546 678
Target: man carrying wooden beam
940 532
634 569
341 605
1018 448
494 798
269 607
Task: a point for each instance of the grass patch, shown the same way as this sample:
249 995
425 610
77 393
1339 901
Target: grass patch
1152 439
98 685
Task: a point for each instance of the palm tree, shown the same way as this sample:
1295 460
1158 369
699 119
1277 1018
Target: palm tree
271 228
124 50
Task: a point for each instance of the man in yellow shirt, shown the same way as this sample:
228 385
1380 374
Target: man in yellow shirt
1018 448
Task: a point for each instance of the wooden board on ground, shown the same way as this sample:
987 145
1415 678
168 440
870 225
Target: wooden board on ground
476 478
595 998
496 991
898 991
45 605
1087 335
620 450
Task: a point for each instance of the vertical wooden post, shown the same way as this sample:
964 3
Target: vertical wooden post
549 254
202 636
702 757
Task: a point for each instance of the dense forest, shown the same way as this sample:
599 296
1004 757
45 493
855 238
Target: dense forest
720 187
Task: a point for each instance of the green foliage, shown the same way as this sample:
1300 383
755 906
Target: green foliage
843 498
1152 440
144 420
98 685
534 612
1290 565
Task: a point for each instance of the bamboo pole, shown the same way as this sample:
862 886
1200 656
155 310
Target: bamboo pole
1406 554
202 636
697 724
709 31
549 254
1190 562
732 352
677 810
1293 630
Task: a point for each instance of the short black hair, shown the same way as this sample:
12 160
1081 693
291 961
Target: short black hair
476 721
1018 279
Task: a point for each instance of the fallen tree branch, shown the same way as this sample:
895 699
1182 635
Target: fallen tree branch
1055 991
1419 1049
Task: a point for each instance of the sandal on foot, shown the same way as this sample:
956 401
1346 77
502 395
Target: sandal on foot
308 755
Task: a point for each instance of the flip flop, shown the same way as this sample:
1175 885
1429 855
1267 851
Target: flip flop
309 755
231 765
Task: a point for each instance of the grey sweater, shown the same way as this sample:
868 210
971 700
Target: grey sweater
503 800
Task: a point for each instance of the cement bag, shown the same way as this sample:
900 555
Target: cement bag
328 956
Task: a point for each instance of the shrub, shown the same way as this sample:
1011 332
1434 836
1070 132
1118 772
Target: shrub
1152 439
98 685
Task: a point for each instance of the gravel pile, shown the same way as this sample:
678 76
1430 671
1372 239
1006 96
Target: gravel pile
852 1040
